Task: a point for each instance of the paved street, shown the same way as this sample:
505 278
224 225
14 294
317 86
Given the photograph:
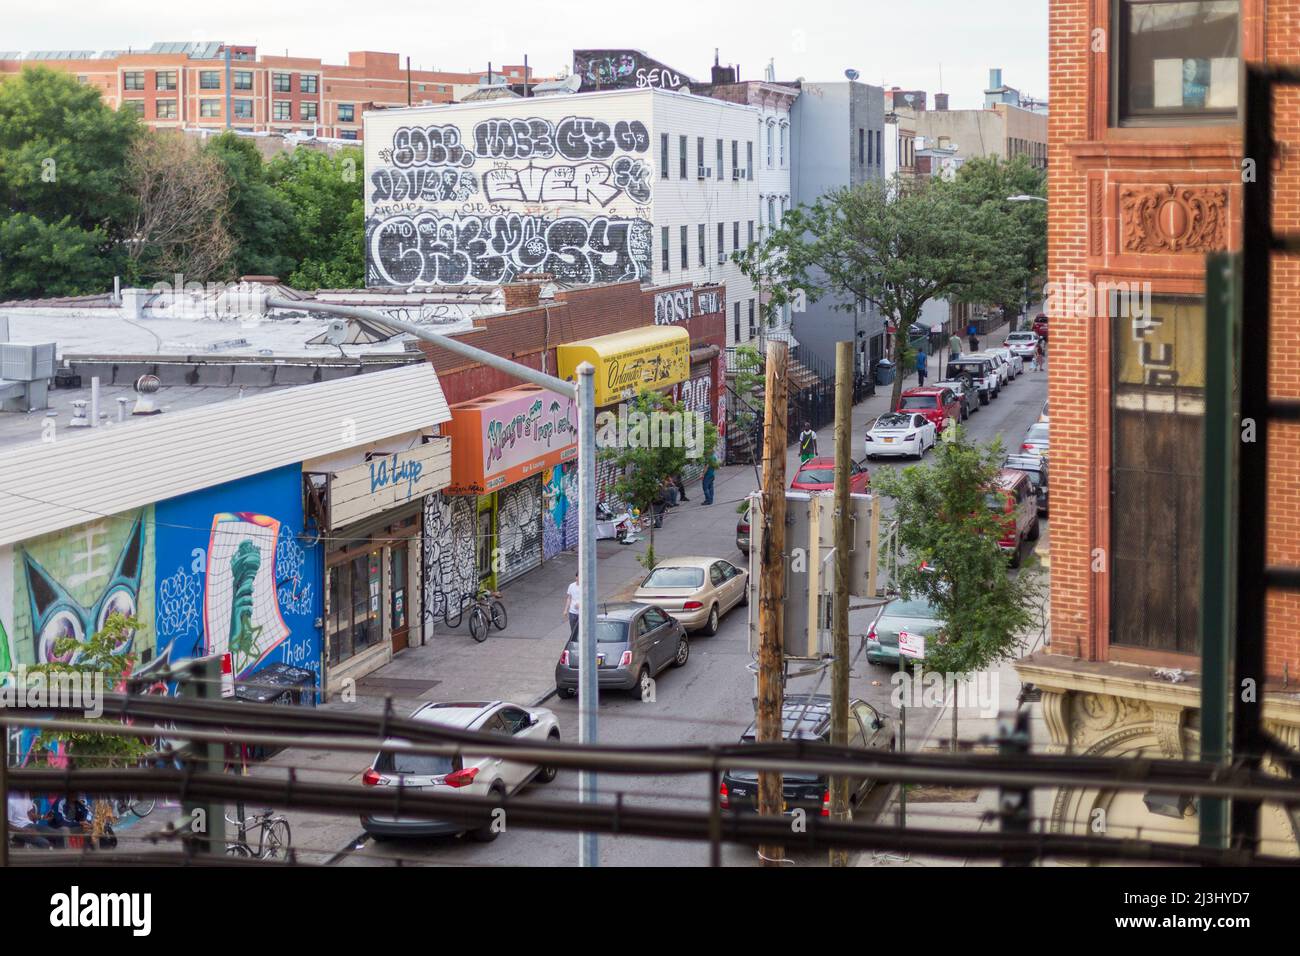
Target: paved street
708 700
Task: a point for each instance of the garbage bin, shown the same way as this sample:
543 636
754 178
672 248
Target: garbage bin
884 372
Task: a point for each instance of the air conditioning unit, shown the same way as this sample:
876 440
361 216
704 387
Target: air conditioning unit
26 363
702 172
722 258
735 174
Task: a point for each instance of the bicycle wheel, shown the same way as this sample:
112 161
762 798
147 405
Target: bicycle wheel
238 849
453 617
141 806
277 840
478 623
498 615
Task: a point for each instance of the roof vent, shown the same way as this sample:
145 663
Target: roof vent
146 386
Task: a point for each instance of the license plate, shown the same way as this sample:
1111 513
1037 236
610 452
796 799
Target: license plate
889 441
600 660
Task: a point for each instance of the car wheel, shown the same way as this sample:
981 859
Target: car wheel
1018 555
489 833
547 774
642 682
1034 531
566 692
683 652
711 625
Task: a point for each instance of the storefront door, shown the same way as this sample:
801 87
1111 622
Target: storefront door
398 575
519 528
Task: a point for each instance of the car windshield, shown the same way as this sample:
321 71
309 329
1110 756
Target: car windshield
1037 432
996 500
1020 337
893 420
415 765
918 402
610 632
674 578
916 607
788 775
816 476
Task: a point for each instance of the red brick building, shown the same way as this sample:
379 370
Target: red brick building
1146 178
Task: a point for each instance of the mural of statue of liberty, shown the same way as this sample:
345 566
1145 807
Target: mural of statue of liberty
244 633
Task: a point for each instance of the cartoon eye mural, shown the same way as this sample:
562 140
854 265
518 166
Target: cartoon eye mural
65 622
120 600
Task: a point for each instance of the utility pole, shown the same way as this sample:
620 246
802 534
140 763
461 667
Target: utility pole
771 586
843 546
588 685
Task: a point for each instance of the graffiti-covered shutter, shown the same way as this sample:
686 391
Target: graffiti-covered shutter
519 528
449 568
696 394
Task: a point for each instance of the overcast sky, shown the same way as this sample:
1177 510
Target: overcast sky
902 42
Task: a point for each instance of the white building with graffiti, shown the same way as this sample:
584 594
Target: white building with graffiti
608 186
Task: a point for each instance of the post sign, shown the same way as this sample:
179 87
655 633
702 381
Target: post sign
911 645
388 480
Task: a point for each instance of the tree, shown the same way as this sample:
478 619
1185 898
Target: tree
325 191
64 202
651 449
949 536
180 220
262 220
897 248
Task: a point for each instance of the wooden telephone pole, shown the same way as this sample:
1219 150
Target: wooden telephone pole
840 622
771 586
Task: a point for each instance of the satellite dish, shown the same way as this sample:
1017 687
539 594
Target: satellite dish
852 74
337 333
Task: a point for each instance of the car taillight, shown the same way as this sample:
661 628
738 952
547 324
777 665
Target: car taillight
626 659
871 635
869 438
371 777
1026 446
692 606
564 657
461 778
743 529
724 797
826 804
911 437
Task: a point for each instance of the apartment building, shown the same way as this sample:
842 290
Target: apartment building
1006 126
593 187
215 85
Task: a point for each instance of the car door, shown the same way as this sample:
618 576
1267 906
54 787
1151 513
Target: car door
517 723
657 635
876 732
925 428
733 585
496 767
718 586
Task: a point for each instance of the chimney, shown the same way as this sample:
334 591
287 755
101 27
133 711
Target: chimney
525 293
940 101
995 78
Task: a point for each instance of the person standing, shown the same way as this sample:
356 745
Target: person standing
25 825
572 606
706 483
1040 356
920 367
680 486
970 337
807 443
954 347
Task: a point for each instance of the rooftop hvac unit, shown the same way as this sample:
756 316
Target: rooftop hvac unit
21 362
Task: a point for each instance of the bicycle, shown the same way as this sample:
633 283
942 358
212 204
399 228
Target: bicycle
272 836
485 612
442 603
141 807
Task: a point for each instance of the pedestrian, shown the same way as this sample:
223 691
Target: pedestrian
707 483
970 337
920 367
681 487
25 825
1040 356
954 347
572 605
807 443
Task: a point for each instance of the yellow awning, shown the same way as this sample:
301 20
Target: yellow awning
652 357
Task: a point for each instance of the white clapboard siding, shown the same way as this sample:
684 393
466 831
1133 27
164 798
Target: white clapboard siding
351 498
46 487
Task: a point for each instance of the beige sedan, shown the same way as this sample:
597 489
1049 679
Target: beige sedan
696 591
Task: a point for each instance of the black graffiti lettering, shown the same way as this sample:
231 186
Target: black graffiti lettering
429 146
422 184
584 183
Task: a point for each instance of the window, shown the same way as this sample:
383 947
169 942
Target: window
281 110
722 244
82 79
242 79
749 160
164 80
735 157
1175 61
209 80
769 144
721 167
735 321
308 83
752 327
209 108
243 109
309 111
1157 402
862 139
663 155
280 82
880 150
871 153
347 113
681 156
700 238
348 134
699 154
133 80
771 212
751 232
783 129
663 246
735 236
686 248
165 109
135 106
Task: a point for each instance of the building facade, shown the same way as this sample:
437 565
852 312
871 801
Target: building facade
1006 127
1146 179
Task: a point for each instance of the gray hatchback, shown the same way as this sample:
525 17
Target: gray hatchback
634 642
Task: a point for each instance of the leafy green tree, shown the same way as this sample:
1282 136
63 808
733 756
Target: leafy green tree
64 201
327 241
949 536
650 453
991 180
262 219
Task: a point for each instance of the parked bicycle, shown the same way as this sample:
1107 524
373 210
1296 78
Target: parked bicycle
485 611
139 806
272 835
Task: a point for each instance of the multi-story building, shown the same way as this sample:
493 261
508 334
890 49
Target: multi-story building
1146 159
1006 127
591 187
216 85
838 141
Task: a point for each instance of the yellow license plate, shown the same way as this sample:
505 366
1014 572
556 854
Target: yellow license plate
889 441
600 660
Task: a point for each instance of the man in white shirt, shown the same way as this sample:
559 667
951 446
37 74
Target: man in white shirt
572 605
23 825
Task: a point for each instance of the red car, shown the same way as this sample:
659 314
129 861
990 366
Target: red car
1040 326
818 474
937 403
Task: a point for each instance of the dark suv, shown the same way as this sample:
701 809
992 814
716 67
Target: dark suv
808 717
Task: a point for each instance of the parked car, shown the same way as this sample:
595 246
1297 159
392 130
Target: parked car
1035 441
1043 416
1000 367
968 396
982 374
1014 363
900 433
464 774
1013 498
742 532
935 402
808 717
634 642
695 591
915 616
818 474
1035 466
1023 344
1040 326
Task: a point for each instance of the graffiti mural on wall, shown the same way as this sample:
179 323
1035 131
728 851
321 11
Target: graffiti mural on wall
559 509
625 69
449 557
481 204
519 528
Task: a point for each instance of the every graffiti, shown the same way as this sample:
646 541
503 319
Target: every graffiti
427 185
433 250
389 471
574 137
584 183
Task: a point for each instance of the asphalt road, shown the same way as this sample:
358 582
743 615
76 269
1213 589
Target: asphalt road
707 701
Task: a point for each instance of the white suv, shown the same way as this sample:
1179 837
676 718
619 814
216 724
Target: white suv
1015 366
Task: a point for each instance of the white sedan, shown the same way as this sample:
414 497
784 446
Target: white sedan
900 433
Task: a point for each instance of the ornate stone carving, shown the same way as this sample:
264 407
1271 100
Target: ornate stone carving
1168 725
1160 219
1096 196
1097 713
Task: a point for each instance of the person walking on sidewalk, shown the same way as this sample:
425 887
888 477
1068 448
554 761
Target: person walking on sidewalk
954 347
970 337
707 482
920 367
1040 357
572 605
807 443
